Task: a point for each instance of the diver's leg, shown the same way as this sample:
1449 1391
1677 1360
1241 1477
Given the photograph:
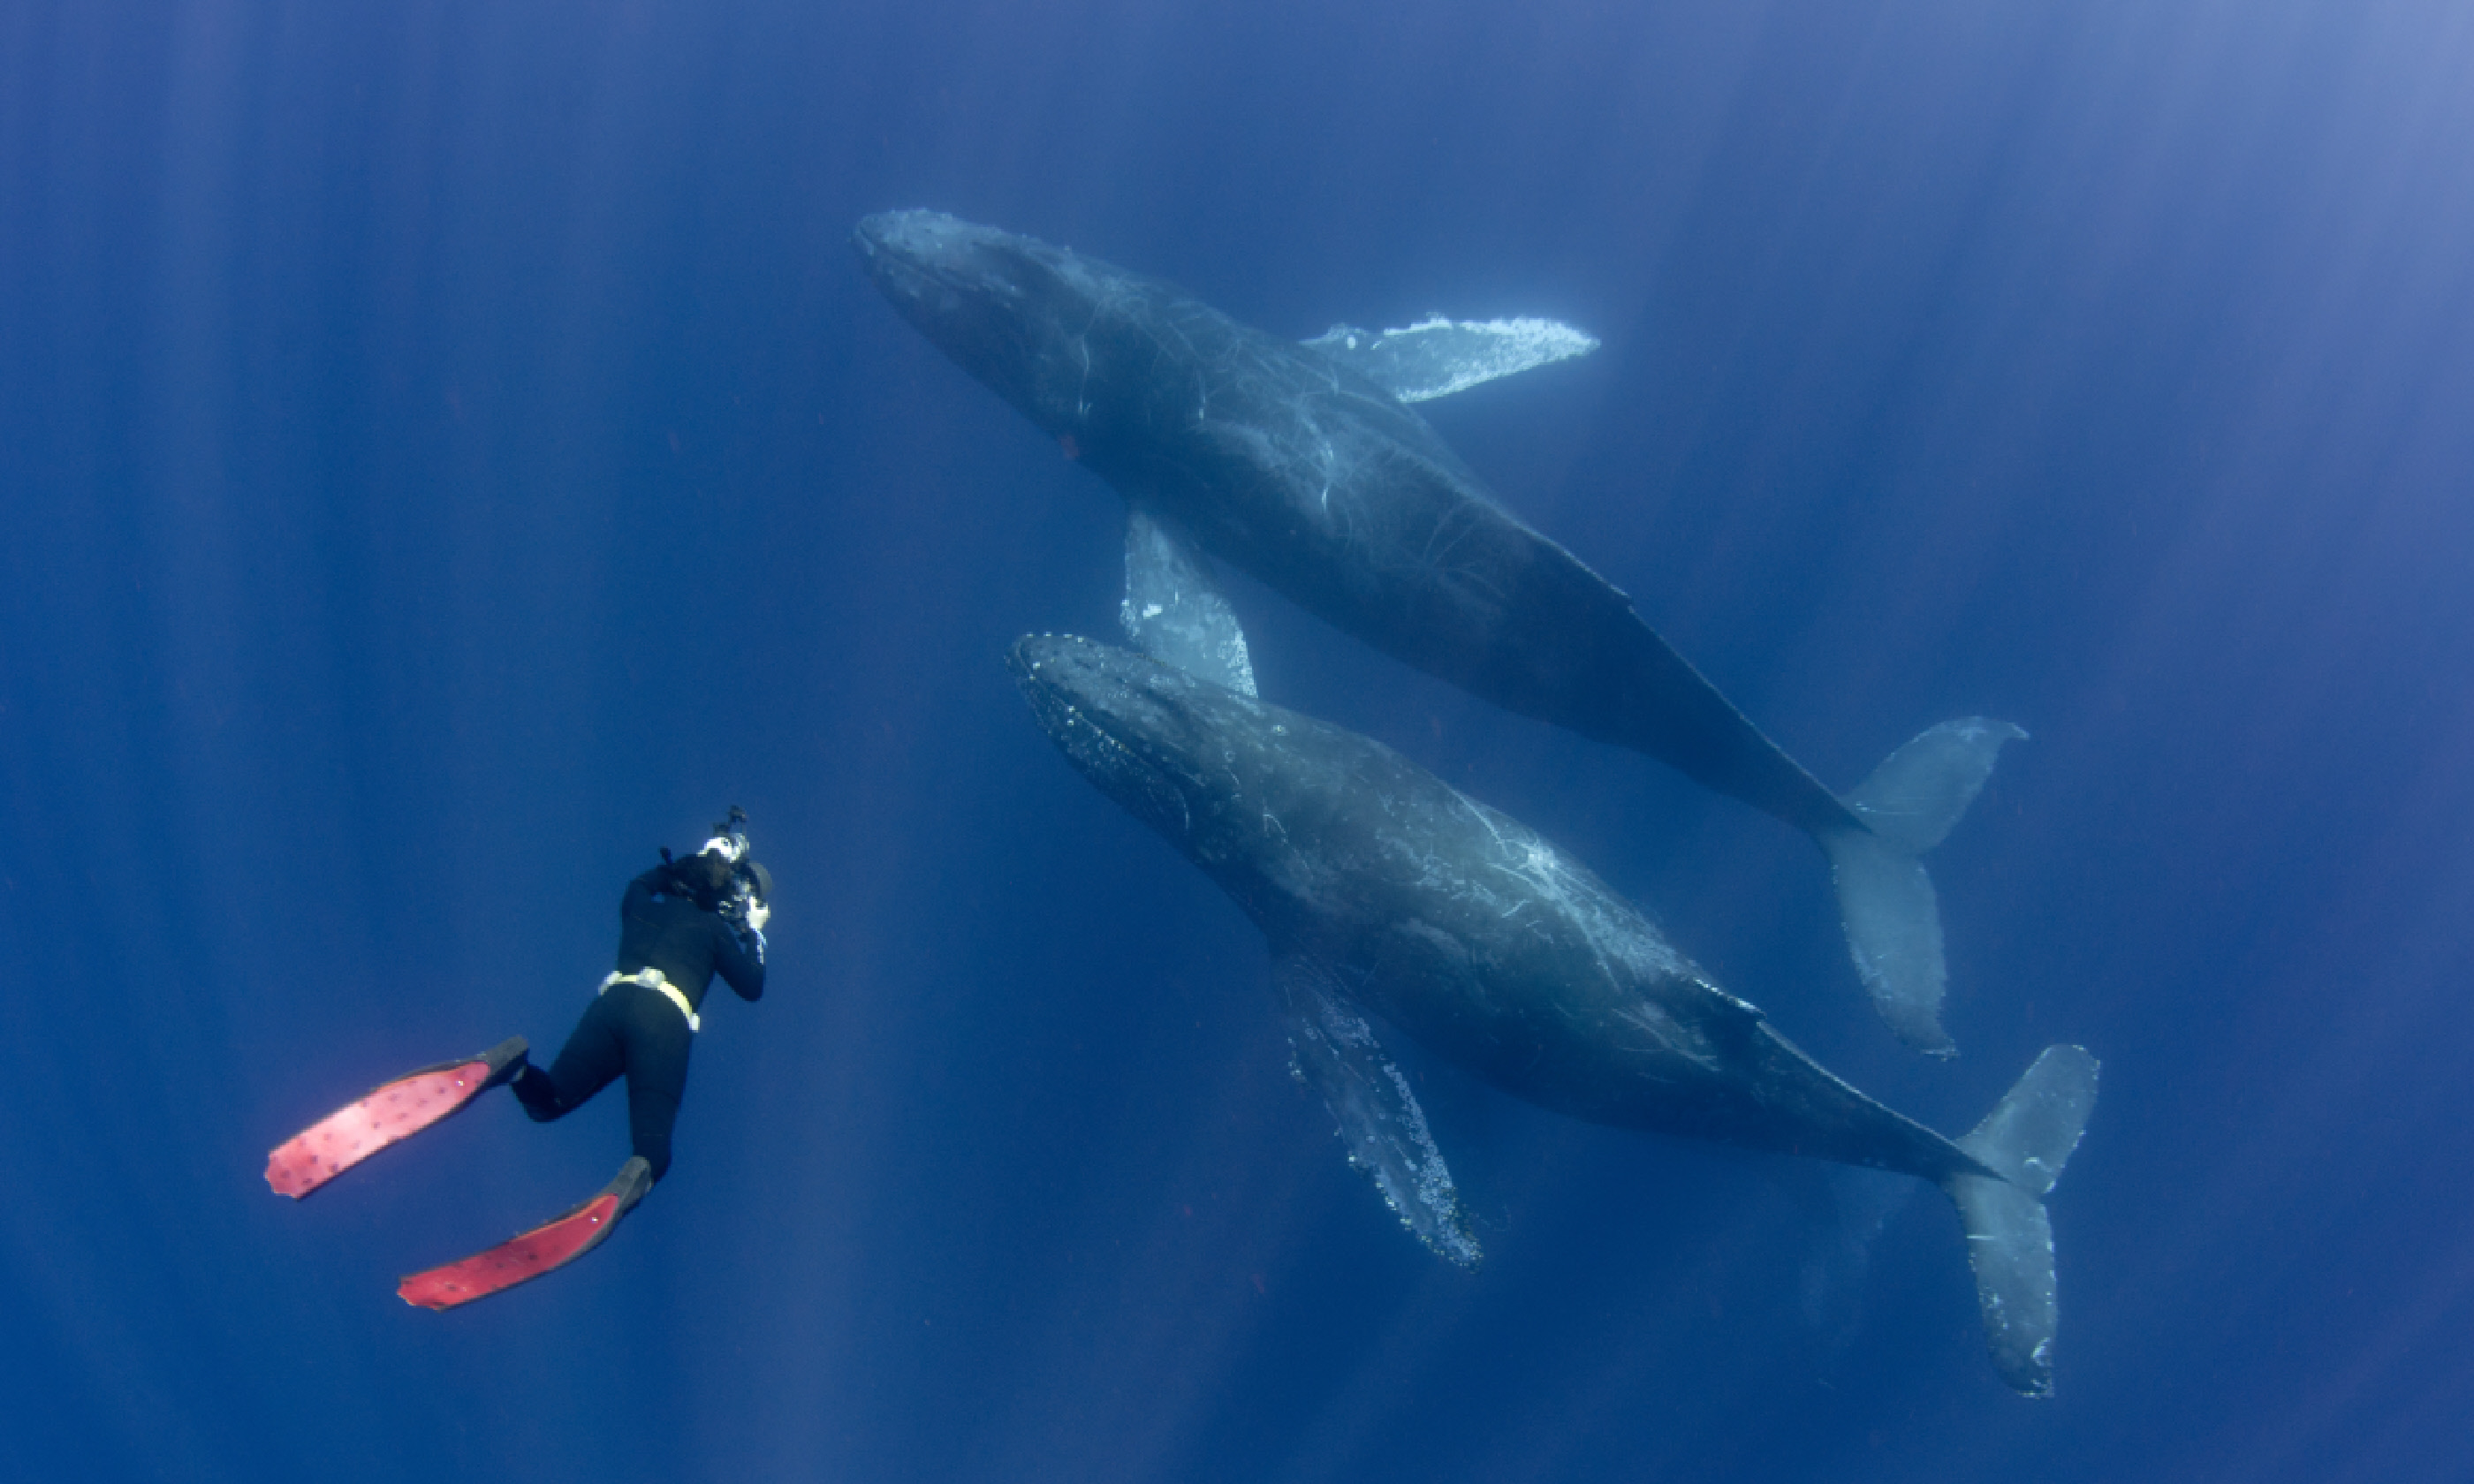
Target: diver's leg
658 1043
594 1053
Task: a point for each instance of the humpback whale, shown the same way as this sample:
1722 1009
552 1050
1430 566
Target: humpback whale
1385 894
1302 464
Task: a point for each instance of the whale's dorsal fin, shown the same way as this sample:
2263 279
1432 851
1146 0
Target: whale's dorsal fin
1437 357
1173 610
1333 1050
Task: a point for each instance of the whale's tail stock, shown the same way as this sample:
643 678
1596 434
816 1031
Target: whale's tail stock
1885 901
2025 1139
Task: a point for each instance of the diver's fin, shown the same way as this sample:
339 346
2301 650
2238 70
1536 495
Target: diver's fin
1173 610
1333 1050
1436 357
388 1114
528 1255
2028 1138
1885 901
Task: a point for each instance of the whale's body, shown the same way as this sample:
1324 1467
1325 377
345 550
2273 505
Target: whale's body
1380 889
1290 464
1286 460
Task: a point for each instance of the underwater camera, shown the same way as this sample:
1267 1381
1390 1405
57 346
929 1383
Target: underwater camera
750 883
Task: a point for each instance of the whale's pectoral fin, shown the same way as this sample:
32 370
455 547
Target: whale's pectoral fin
1334 1051
1885 901
2027 1139
1173 610
1436 357
1842 1210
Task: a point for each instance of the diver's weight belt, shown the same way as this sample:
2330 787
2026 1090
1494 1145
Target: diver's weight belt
655 980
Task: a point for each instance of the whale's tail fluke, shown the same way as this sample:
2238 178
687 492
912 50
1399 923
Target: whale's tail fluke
1885 901
2027 1139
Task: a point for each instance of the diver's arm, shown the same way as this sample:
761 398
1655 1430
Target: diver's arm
740 969
642 891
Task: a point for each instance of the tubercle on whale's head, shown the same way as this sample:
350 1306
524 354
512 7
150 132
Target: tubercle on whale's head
1011 310
1137 729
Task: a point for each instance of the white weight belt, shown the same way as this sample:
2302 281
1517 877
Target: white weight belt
654 979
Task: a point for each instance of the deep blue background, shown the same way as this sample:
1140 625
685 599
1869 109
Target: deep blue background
447 452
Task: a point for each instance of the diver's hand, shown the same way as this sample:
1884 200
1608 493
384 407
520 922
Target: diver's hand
757 915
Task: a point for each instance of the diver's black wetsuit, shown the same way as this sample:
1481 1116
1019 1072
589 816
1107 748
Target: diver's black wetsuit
640 1031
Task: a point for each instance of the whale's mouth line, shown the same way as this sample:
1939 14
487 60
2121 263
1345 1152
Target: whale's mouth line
1057 703
916 269
910 272
1085 729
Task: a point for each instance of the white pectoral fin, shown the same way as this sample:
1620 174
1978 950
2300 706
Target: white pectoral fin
1436 357
1334 1052
1173 610
1841 1211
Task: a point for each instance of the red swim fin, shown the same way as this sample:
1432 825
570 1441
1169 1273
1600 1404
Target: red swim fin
388 1114
528 1256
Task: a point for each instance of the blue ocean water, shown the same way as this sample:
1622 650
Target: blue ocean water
449 452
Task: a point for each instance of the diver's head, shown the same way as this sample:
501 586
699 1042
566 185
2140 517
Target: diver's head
705 879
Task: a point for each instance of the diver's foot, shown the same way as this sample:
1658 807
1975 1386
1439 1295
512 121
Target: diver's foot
533 1089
